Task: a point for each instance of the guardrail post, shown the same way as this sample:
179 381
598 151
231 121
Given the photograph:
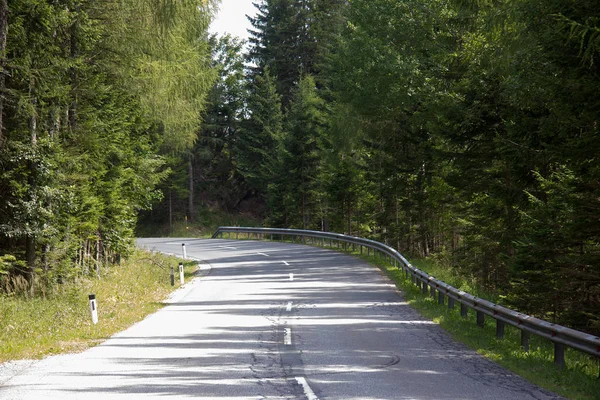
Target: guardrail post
432 288
464 310
440 297
480 318
499 329
361 249
525 335
450 303
424 287
559 354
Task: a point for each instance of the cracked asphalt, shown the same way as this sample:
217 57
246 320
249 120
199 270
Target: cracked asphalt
338 330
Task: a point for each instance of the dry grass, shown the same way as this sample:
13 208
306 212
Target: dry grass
61 323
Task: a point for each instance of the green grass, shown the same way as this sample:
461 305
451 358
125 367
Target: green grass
61 322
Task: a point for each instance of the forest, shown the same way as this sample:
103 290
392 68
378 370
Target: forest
465 131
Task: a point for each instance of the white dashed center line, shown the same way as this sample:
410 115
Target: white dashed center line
228 247
310 395
287 336
289 307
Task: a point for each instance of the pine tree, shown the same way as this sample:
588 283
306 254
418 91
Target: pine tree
260 135
301 159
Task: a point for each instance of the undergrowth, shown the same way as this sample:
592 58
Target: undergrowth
60 321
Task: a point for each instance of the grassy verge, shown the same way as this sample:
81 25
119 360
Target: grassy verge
61 323
578 380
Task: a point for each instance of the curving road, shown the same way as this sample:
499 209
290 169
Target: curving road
273 321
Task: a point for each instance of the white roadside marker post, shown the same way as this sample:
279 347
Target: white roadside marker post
183 249
93 308
181 280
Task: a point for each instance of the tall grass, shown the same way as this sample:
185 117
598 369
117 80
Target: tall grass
60 322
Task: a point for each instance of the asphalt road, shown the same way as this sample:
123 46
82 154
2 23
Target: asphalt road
273 321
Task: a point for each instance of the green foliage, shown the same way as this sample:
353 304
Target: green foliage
462 130
261 133
90 95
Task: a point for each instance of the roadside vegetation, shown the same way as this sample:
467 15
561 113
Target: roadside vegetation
60 322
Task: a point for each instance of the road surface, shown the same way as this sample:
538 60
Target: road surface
273 321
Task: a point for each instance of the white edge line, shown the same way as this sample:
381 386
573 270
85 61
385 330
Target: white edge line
287 337
310 395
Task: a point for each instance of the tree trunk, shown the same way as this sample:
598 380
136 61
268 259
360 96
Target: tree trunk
349 217
72 111
30 257
191 207
30 239
3 35
170 211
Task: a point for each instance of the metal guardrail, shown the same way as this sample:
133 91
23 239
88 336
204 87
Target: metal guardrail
560 335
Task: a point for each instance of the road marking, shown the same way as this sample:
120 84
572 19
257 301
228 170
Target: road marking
291 277
228 247
263 254
285 262
287 336
310 395
289 307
